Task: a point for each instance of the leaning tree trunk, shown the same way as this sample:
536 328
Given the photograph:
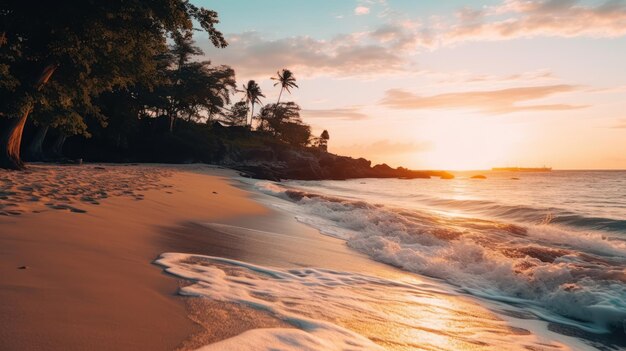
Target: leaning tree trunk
35 149
57 146
12 129
11 140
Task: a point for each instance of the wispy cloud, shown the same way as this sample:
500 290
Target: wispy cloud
456 77
621 124
348 113
252 55
491 101
525 18
511 19
361 10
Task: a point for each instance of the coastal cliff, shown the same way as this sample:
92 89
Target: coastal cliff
254 154
276 162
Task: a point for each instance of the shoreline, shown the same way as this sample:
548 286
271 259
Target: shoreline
91 282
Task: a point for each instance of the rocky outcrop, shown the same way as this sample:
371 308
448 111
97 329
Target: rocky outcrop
277 162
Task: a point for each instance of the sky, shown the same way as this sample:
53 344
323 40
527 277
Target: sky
432 84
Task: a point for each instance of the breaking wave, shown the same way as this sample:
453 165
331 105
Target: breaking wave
553 268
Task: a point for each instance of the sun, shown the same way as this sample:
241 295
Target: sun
466 143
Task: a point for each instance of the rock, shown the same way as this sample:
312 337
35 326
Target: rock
22 267
382 168
280 161
479 176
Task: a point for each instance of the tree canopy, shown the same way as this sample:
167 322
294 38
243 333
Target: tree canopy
92 46
125 74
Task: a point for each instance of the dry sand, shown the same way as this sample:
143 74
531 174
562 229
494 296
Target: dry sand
89 282
87 235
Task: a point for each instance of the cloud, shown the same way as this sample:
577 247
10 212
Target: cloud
361 10
252 55
383 147
391 47
510 19
348 113
398 37
525 18
621 124
491 101
456 77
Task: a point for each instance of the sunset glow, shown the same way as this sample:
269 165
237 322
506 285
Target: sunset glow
363 175
429 84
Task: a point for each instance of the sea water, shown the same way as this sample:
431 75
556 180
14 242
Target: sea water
545 252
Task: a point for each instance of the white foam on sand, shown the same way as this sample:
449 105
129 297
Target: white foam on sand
336 310
260 287
561 275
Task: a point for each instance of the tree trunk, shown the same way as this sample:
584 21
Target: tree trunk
11 141
277 102
57 146
171 124
251 115
11 131
35 150
279 95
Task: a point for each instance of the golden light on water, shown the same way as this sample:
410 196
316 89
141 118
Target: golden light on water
421 320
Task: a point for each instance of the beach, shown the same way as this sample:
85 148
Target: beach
79 275
78 250
88 281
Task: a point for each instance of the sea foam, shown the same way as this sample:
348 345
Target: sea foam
563 275
337 310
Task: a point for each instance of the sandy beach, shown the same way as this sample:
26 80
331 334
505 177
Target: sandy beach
195 175
88 281
78 245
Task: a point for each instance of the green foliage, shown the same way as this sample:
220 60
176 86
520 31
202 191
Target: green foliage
187 89
283 122
62 107
237 114
89 47
122 71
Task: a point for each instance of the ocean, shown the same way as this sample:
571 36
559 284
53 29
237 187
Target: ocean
544 252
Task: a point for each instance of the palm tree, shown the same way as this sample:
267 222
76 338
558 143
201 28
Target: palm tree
253 95
286 80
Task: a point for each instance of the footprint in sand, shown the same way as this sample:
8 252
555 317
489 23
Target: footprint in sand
66 207
90 200
10 213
